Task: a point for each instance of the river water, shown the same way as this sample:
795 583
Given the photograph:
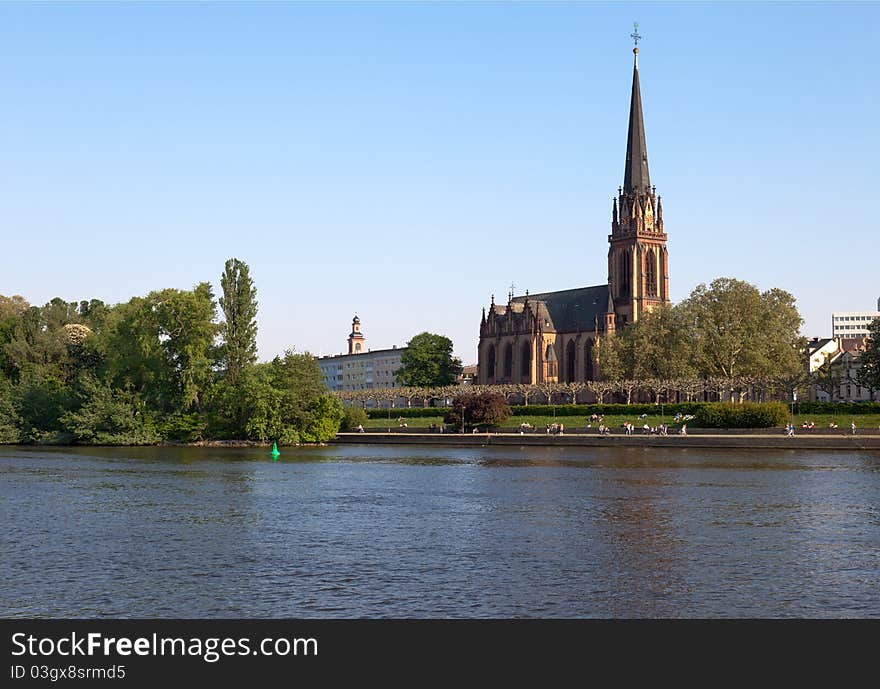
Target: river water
409 531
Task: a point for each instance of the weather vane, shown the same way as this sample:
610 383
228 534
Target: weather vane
635 35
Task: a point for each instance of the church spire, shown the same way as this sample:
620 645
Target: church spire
635 174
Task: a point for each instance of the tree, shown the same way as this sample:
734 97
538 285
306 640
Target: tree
10 422
658 345
735 330
286 401
108 417
187 332
828 377
239 328
469 409
428 361
868 375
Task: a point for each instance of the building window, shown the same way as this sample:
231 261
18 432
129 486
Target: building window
570 363
588 360
526 362
508 362
651 274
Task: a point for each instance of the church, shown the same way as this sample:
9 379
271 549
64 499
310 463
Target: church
549 337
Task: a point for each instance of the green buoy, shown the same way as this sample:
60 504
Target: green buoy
275 452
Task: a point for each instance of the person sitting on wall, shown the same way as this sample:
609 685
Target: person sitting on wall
360 428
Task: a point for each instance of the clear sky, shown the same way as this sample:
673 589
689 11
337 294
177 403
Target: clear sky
405 161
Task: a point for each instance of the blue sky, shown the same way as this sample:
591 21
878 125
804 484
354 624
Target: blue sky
406 160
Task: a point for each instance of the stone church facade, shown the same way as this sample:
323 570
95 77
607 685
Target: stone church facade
549 337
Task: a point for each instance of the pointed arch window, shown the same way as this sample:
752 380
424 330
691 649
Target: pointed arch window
490 362
570 359
526 362
508 362
651 273
624 273
588 360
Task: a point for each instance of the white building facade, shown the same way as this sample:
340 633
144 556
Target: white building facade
361 368
851 324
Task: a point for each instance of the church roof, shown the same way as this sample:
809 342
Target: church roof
571 309
635 174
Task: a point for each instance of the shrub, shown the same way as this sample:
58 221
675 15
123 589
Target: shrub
186 428
843 408
488 408
353 417
745 415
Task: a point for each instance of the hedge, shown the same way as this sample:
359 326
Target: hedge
742 415
406 412
847 408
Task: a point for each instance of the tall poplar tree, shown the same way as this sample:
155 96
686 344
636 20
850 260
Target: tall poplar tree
239 329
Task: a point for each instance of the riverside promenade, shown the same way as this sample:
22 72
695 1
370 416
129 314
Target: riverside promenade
765 439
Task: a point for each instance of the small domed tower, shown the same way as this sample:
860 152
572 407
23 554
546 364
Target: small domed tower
356 339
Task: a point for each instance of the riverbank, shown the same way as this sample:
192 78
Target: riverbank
758 441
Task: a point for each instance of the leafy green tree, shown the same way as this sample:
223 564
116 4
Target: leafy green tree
11 311
10 422
288 402
37 339
352 418
187 332
324 418
41 398
659 347
612 356
428 361
868 375
265 403
108 417
239 328
735 330
133 354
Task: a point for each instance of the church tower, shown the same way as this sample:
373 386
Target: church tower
638 265
356 339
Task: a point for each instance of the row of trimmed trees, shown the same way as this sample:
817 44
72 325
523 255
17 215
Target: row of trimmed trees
625 391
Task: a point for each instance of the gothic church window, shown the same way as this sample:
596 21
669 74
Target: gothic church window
588 360
624 273
651 273
508 362
526 362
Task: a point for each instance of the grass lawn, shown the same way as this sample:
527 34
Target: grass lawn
575 424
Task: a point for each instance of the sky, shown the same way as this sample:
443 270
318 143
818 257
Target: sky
405 161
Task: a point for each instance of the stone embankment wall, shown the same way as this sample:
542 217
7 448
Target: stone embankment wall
770 439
